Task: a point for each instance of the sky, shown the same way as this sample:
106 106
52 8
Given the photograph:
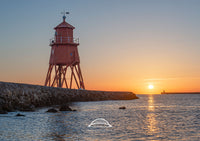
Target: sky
125 45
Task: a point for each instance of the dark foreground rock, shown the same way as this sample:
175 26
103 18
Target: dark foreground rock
52 110
65 108
25 97
123 107
19 115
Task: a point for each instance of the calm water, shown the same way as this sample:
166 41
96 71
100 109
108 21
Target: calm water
152 117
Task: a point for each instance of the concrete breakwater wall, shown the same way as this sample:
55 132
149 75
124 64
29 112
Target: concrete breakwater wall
25 97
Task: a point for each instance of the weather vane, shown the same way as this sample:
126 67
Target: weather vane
64 14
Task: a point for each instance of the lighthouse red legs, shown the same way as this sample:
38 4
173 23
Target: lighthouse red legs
59 78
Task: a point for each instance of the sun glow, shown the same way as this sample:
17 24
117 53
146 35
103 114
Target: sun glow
150 86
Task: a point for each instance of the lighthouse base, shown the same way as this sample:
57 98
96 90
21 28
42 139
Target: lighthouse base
64 76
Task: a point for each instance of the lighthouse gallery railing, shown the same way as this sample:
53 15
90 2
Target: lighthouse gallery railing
64 40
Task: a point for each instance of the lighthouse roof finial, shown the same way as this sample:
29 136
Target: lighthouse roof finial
64 15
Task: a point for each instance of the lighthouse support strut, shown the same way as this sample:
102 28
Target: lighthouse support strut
60 73
60 80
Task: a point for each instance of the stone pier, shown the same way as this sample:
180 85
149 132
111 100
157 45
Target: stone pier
26 97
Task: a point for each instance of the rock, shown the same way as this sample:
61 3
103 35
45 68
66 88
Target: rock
19 115
65 108
123 107
52 110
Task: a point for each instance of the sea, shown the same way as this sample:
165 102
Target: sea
151 117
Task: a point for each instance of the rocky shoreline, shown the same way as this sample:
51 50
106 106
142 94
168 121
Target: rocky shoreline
26 97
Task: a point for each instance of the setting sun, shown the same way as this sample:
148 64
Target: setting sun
150 86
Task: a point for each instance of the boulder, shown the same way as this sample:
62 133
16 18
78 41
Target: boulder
19 115
52 110
65 108
123 107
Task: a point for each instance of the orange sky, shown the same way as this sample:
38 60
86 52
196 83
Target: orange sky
125 47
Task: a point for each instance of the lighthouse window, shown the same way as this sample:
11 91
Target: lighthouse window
71 54
55 33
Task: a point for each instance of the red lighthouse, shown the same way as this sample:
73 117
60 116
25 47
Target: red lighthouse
64 64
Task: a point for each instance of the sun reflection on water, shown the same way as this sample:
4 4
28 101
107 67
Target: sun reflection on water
151 103
151 121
